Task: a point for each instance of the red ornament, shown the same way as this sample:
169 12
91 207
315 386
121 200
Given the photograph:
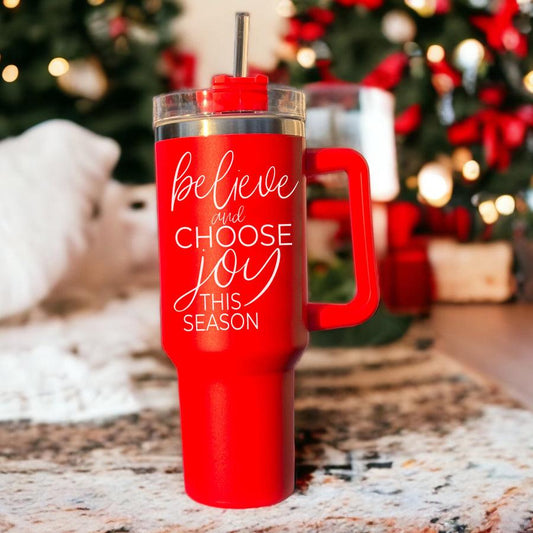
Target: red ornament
321 15
369 4
445 77
388 73
455 222
492 95
409 120
442 7
466 131
500 31
295 28
180 68
525 113
311 31
332 209
118 26
324 69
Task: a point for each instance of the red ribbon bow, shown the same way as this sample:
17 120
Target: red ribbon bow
500 31
408 120
388 73
499 133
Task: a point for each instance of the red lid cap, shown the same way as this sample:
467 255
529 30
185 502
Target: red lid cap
235 94
238 437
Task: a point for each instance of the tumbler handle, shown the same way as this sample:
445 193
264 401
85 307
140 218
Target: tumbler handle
362 306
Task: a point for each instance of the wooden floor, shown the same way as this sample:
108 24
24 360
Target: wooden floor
496 340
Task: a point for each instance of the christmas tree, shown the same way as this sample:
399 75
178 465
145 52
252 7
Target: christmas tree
462 76
95 62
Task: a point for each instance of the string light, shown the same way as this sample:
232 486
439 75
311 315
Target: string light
411 182
95 2
11 4
435 53
505 204
488 212
58 66
471 170
460 156
435 184
306 57
425 8
285 8
469 54
528 81
10 73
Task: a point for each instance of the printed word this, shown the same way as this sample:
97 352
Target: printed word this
222 322
227 236
221 301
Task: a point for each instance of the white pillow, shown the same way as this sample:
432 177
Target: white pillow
51 179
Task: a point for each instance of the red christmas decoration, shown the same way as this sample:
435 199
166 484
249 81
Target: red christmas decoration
500 31
525 113
369 4
442 7
445 77
492 95
409 120
324 69
321 15
332 209
294 33
311 31
118 26
406 277
499 133
180 68
388 73
456 222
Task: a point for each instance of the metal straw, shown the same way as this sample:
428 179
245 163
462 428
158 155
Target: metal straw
242 27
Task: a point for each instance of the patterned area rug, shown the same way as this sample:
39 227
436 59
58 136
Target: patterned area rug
392 439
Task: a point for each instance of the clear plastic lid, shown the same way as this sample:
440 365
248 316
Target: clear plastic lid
194 104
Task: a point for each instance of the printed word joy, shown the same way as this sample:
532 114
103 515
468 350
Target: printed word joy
219 189
226 270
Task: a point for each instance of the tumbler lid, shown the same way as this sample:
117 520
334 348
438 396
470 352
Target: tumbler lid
238 94
243 100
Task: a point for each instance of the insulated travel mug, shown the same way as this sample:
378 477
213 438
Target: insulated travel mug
231 170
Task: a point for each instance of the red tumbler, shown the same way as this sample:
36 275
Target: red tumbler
235 317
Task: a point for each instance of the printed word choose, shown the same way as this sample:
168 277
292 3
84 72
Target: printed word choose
227 236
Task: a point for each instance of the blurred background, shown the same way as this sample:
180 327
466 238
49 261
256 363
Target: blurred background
437 95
